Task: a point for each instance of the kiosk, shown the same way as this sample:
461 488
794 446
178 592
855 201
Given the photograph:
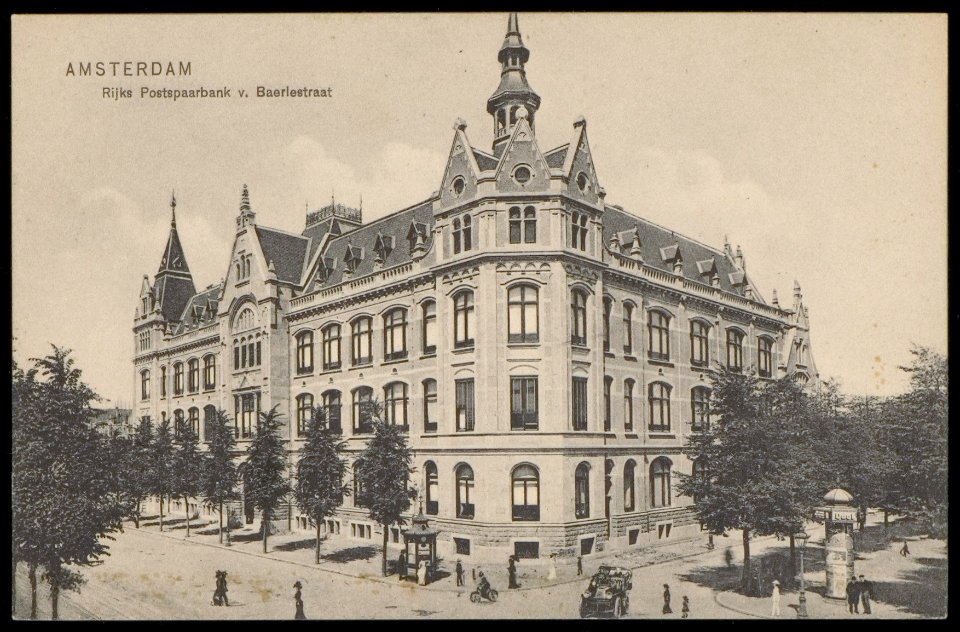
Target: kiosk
839 516
419 544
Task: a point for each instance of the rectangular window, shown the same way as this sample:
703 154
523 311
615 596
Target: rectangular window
663 531
523 403
632 536
209 372
462 545
246 410
627 328
395 335
607 408
464 405
515 223
764 357
579 403
178 379
526 550
529 225
193 380
699 348
362 336
331 348
430 406
628 405
586 546
659 328
305 353
163 381
430 327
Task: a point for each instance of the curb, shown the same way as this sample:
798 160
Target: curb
716 598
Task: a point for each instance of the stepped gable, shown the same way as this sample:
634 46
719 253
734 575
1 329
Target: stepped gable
287 251
200 311
396 225
653 238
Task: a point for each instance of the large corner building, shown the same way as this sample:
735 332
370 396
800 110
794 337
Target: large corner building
547 352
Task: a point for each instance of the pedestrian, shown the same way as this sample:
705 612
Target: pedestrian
222 588
512 570
710 542
853 596
402 566
905 550
217 600
666 599
459 570
300 616
866 591
685 608
552 574
473 571
422 573
728 557
579 565
775 599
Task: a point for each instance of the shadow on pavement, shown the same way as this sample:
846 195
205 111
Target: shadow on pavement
920 591
350 555
253 536
297 545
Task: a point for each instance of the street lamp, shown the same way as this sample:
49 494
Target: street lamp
802 538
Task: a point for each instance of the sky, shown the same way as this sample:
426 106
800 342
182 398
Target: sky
816 142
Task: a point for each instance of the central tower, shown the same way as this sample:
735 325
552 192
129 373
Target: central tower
513 92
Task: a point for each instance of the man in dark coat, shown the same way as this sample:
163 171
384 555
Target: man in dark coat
853 596
666 600
579 565
512 570
459 570
402 565
866 591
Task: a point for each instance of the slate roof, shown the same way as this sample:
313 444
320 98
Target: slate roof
203 304
173 292
485 161
286 250
653 238
556 157
396 225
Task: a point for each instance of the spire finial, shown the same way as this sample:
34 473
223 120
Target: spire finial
245 199
173 209
513 26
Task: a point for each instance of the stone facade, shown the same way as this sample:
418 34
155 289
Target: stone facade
489 307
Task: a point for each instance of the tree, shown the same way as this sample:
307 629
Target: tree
383 472
29 461
219 484
320 489
187 469
753 460
265 474
64 507
139 478
160 464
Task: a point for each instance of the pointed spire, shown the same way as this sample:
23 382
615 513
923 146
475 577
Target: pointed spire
173 209
245 199
796 290
514 91
635 248
774 299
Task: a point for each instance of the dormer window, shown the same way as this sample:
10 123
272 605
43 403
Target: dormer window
326 268
459 184
522 174
382 247
353 258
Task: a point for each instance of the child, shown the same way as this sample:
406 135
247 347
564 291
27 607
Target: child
685 608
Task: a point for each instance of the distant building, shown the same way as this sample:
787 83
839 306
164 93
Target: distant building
548 352
114 421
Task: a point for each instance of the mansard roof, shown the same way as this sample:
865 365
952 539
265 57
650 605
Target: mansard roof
287 251
173 292
200 311
656 241
395 225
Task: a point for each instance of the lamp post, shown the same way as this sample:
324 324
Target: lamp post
802 538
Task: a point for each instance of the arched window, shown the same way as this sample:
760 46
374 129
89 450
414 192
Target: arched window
178 378
209 422
209 372
658 327
659 407
362 340
581 486
523 320
578 317
433 488
628 404
331 347
362 410
516 224
465 508
529 225
178 423
607 403
429 405
304 413
629 485
245 320
163 381
700 407
331 409
193 375
144 384
236 355
526 493
463 319
628 328
660 495
395 334
734 349
395 404
193 418
699 343
430 327
764 356
467 233
607 309
305 352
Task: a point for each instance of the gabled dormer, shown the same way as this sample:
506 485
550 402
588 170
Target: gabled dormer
352 258
672 256
382 247
707 268
460 176
522 166
582 182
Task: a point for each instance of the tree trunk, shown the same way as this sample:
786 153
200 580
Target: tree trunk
266 529
187 505
317 557
745 581
136 515
54 600
220 533
886 514
32 573
384 564
161 512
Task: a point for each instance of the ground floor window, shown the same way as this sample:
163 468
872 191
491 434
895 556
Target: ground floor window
462 545
663 531
363 531
632 536
586 546
526 550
